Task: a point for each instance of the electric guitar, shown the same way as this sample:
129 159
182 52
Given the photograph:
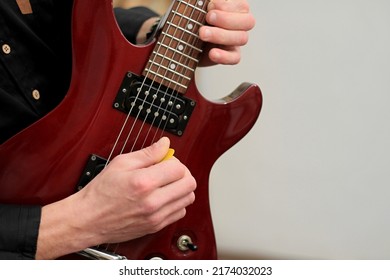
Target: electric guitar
122 96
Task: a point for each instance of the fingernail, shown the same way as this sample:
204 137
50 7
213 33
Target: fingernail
206 33
216 56
162 142
212 18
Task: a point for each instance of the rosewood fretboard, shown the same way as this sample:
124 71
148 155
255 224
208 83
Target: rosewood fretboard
178 49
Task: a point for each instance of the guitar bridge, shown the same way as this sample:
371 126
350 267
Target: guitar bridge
154 103
98 254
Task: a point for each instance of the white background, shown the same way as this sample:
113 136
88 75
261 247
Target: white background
311 179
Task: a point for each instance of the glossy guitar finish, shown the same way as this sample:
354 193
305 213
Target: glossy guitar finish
43 163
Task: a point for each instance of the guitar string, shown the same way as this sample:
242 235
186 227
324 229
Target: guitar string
152 104
198 22
129 114
159 86
172 61
126 121
154 57
141 106
159 89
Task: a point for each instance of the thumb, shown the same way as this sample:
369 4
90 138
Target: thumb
150 155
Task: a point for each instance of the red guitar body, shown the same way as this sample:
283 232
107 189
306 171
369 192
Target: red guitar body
44 162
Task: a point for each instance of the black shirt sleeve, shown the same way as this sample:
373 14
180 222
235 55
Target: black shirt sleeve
131 20
19 227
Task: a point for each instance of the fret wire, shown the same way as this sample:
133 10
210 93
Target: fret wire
169 69
168 60
182 54
187 18
165 78
183 29
193 6
184 11
182 42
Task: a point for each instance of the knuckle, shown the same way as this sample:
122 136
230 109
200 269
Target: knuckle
251 22
149 208
141 187
155 222
148 152
182 213
244 6
192 183
119 160
236 59
181 169
191 198
177 168
243 38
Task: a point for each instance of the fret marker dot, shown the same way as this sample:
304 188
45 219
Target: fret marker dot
172 66
190 26
200 3
180 47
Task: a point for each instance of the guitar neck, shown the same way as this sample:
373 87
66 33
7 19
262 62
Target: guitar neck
178 49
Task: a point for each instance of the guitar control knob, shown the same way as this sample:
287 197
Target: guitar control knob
184 243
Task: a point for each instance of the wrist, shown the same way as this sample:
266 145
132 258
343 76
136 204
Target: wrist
60 231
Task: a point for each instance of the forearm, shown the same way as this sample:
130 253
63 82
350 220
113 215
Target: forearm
61 231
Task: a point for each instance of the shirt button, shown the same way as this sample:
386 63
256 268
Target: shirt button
6 48
35 94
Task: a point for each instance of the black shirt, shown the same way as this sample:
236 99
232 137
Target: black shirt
35 70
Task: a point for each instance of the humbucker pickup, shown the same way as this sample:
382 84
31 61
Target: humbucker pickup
154 103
